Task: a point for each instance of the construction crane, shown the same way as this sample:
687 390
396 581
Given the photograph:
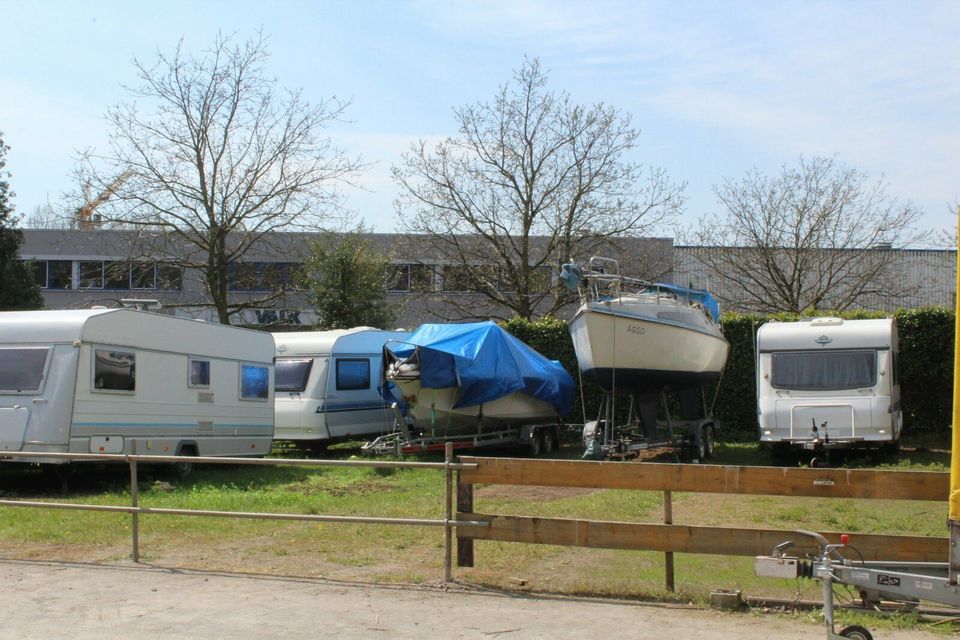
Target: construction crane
84 213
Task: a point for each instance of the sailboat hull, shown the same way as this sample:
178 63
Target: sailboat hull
646 347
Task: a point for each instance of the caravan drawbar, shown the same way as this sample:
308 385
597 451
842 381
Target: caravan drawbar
111 380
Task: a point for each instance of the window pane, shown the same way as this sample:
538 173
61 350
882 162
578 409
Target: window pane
169 277
353 373
116 275
60 274
143 275
421 277
824 370
22 369
39 269
456 278
91 274
114 370
199 373
291 375
398 277
254 381
245 276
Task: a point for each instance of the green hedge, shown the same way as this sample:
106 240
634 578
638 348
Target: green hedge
925 367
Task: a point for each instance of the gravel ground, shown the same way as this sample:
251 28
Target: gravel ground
80 601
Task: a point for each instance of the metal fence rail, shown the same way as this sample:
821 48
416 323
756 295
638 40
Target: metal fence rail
135 510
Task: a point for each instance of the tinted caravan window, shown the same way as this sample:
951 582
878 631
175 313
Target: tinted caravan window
254 382
824 370
353 374
199 373
291 375
114 370
22 369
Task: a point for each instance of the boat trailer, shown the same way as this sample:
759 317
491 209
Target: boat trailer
907 582
408 438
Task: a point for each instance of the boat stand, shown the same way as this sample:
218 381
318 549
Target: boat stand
674 421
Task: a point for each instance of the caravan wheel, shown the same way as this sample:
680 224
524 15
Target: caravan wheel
183 469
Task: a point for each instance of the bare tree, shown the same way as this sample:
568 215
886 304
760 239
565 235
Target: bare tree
208 157
531 180
820 235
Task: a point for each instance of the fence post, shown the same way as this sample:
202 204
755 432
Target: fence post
134 516
448 506
668 555
464 505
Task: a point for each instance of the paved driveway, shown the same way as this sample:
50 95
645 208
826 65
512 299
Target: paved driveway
79 601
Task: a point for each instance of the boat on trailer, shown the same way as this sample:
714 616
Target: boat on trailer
637 336
461 377
645 339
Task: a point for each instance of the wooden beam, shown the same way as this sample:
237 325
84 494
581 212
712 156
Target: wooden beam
465 504
692 539
700 478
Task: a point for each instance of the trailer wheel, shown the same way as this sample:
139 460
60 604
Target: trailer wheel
703 443
856 632
548 442
535 446
708 441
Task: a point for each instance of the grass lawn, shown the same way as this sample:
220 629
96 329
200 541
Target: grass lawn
415 554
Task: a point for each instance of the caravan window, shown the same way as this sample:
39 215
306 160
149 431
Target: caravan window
824 370
254 382
21 369
199 373
114 370
353 374
291 375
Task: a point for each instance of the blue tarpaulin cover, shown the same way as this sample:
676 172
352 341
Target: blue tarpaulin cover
697 295
487 363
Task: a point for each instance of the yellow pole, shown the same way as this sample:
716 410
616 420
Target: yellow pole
953 520
954 517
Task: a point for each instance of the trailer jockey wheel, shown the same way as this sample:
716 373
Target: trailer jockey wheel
856 632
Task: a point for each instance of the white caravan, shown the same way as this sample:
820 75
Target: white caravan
328 385
828 382
100 380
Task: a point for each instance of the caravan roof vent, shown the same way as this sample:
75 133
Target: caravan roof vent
826 322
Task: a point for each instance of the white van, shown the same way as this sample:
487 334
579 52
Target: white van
328 385
827 382
98 380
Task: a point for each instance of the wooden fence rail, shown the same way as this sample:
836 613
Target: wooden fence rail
674 538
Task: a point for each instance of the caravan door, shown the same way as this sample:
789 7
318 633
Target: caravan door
36 394
354 406
300 397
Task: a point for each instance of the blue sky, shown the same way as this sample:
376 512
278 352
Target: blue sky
715 87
